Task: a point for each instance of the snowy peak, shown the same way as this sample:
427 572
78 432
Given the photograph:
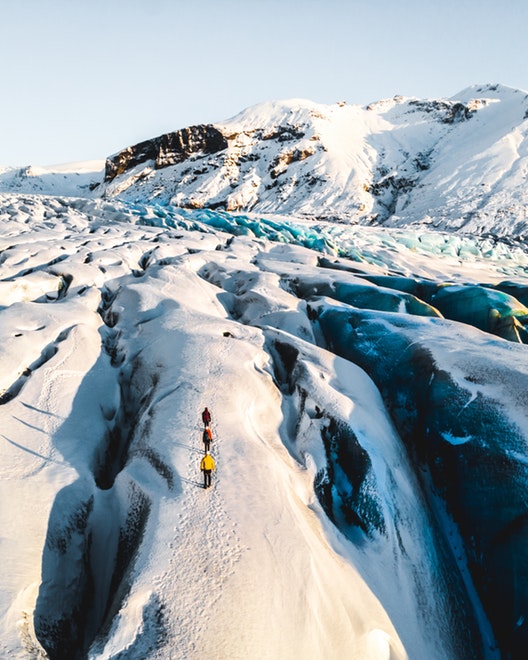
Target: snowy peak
76 179
442 111
453 163
491 92
456 164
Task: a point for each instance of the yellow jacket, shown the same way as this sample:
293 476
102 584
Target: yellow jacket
207 463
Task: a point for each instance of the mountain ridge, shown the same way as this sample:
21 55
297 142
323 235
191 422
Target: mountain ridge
454 164
399 161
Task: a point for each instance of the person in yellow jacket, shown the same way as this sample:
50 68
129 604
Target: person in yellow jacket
207 465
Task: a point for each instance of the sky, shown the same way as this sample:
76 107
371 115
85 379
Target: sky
82 79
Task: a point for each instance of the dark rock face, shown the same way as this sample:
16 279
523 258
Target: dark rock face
167 149
447 112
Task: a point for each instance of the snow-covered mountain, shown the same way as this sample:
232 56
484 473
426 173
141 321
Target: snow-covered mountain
367 386
458 163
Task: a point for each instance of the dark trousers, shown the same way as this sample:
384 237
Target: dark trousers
207 478
207 444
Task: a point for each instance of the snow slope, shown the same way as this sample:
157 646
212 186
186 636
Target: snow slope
325 534
366 382
66 179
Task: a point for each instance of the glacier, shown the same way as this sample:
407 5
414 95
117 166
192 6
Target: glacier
370 436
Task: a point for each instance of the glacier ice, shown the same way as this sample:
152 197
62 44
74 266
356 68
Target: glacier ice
361 428
440 383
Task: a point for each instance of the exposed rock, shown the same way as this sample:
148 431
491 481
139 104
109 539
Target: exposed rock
167 149
281 162
283 133
448 112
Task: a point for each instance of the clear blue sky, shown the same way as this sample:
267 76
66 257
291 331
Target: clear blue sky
81 79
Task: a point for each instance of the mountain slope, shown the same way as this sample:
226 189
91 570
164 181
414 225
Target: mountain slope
367 385
458 163
455 164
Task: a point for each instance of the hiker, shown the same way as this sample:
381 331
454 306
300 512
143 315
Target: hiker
207 437
207 465
206 417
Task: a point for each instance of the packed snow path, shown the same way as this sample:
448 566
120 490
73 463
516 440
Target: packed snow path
315 540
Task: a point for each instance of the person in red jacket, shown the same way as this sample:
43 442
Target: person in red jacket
207 465
207 438
206 417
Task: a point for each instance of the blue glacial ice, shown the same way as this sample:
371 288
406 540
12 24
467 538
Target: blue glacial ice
459 400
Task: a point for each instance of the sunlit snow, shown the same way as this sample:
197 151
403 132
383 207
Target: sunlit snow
120 322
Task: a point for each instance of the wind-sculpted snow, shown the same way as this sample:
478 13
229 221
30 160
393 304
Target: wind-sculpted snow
370 439
365 485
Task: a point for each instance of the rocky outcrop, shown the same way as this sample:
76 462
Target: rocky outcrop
446 112
167 149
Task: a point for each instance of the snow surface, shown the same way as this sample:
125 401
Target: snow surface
118 324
